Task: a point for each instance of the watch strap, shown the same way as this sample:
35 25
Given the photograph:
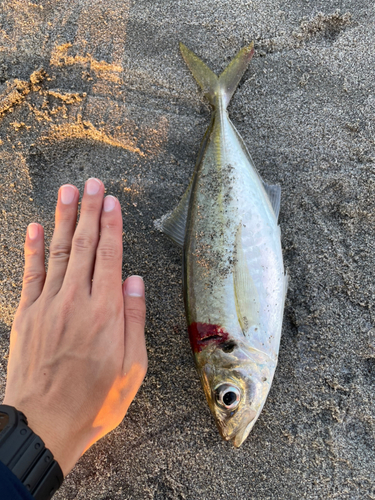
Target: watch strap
25 454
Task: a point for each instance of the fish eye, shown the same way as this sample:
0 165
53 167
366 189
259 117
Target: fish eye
228 396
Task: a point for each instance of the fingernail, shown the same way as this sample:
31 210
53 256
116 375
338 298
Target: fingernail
33 231
134 286
92 186
109 203
67 194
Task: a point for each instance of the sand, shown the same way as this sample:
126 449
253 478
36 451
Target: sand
91 88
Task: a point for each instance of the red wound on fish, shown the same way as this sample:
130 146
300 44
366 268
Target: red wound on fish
202 334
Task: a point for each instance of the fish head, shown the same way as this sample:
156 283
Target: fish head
236 385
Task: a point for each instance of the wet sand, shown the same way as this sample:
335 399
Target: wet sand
93 88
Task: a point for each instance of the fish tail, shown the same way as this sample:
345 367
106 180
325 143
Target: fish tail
223 87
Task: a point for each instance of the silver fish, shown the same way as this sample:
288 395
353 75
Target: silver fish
234 282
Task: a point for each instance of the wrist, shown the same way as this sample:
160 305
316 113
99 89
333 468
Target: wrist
25 454
45 426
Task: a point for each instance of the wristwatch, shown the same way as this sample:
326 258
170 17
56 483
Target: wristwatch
24 453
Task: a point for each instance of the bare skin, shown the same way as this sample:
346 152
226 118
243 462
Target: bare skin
77 346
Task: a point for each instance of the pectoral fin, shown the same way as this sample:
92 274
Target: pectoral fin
245 292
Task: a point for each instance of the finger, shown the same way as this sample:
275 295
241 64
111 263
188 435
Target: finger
61 243
108 262
34 274
85 240
135 314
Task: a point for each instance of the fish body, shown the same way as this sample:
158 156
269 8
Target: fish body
234 283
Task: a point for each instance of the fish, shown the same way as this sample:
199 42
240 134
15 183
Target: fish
233 273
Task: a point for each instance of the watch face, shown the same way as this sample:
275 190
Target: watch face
4 419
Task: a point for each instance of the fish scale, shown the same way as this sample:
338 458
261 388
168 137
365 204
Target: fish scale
234 282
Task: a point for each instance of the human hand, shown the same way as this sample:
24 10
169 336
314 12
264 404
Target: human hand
77 346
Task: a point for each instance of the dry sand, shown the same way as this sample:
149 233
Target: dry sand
98 88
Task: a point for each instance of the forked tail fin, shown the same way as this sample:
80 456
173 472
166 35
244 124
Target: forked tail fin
222 87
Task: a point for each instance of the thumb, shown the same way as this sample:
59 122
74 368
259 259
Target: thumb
134 316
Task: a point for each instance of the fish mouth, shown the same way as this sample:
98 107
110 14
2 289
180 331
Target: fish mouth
237 434
240 437
241 434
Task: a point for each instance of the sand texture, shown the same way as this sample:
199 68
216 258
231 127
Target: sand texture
98 88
